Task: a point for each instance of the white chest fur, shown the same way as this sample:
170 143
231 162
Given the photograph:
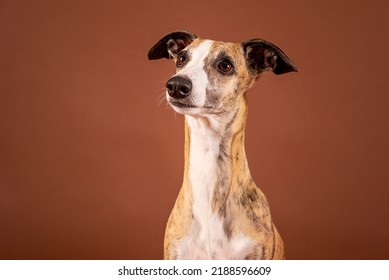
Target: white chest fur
207 238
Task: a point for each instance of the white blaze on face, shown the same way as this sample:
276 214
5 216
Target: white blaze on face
194 70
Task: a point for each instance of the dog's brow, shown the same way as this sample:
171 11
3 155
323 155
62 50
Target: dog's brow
198 53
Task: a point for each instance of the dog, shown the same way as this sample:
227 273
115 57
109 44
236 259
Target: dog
219 212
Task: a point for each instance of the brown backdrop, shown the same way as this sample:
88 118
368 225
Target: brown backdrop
92 158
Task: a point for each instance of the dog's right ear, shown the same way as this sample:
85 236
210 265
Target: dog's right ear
170 45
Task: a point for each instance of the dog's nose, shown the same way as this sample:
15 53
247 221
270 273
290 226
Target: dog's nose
179 87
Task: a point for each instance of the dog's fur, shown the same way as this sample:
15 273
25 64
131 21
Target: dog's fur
219 212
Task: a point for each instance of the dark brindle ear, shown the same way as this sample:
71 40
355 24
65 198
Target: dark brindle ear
171 45
262 56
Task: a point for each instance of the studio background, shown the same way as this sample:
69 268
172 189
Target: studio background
91 157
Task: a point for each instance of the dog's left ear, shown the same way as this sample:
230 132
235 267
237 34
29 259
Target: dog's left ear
263 56
171 45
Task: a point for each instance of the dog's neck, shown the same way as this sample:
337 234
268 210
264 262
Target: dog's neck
215 158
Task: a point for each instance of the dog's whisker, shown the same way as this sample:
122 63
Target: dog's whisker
162 98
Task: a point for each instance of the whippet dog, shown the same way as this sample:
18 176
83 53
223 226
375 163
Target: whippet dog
219 212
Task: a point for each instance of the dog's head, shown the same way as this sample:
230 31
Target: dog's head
212 75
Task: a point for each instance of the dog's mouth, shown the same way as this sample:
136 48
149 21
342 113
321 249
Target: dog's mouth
181 104
188 108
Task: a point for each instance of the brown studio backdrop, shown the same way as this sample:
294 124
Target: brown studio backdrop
91 158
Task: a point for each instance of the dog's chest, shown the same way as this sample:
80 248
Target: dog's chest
206 239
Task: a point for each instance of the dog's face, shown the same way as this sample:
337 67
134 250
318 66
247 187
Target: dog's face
212 75
217 73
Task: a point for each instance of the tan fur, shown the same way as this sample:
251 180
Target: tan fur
242 206
180 217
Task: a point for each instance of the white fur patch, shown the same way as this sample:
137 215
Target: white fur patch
194 70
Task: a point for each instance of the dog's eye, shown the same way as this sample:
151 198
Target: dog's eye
225 66
181 59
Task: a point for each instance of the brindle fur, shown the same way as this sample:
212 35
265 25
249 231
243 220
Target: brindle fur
240 204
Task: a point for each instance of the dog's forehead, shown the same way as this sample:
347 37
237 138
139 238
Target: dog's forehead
210 48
